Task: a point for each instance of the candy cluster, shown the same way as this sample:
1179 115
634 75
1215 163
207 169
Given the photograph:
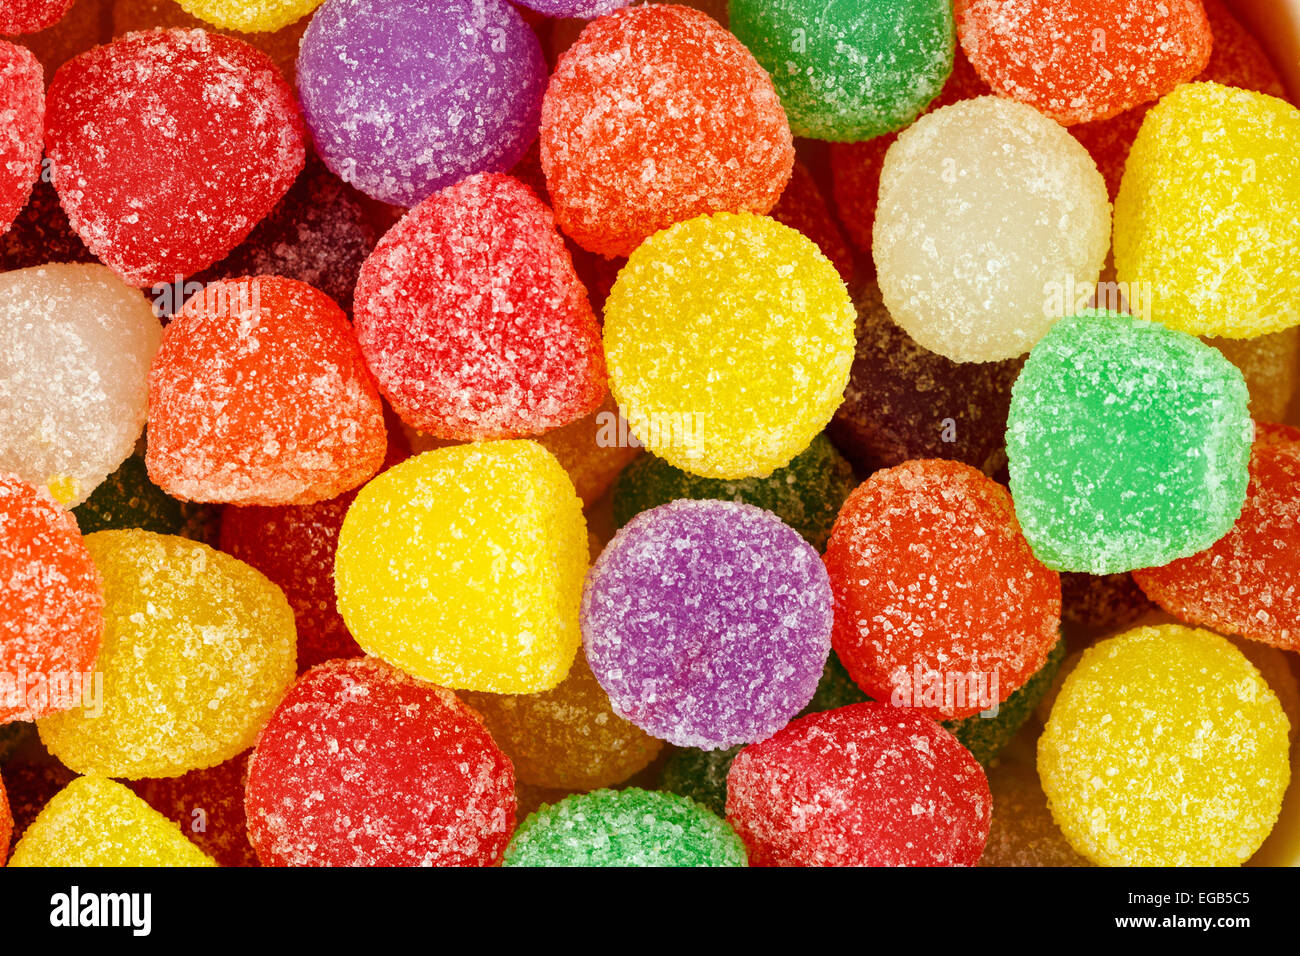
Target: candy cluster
592 433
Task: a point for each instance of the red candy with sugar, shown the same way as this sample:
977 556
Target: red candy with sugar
22 124
51 604
168 147
259 395
657 115
473 320
863 785
294 546
6 823
1247 582
362 765
28 16
1080 60
940 604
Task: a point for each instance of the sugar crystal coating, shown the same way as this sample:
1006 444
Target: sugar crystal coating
22 128
250 15
567 738
1236 59
405 97
259 395
847 70
864 785
1247 582
1128 444
464 566
362 765
215 107
625 828
1205 219
75 348
51 603
473 320
98 822
707 622
198 649
992 222
729 340
806 494
586 9
29 16
1165 748
654 116
1078 60
939 603
905 402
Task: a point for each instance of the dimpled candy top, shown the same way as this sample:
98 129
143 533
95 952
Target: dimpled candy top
625 828
198 648
806 494
22 128
992 222
75 348
50 601
1165 748
729 340
98 822
464 566
916 622
848 70
864 785
655 115
1247 582
567 737
1128 444
362 765
472 318
260 395
215 107
250 15
904 401
1207 212
707 622
1079 60
405 97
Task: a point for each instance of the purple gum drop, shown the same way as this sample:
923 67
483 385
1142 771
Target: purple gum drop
404 97
707 622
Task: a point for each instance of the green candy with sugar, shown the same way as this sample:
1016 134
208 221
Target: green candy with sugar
1127 443
629 827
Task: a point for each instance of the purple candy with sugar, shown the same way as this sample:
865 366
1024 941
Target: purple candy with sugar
581 9
707 622
404 97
